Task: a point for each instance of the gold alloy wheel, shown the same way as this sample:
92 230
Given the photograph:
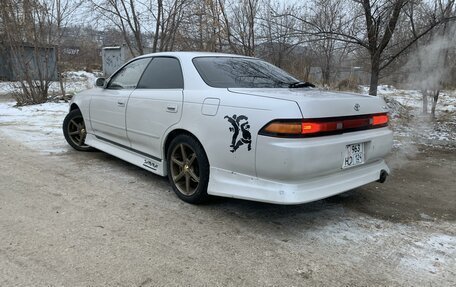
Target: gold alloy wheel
77 131
185 169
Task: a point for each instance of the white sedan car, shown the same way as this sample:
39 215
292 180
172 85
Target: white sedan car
234 126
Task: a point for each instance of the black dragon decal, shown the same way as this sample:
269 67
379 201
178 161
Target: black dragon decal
241 134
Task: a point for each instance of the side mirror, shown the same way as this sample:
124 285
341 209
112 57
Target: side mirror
100 82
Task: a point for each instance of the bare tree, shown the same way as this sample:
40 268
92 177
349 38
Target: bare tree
430 62
277 33
372 27
125 15
158 19
27 33
169 20
240 25
208 29
329 15
137 18
61 14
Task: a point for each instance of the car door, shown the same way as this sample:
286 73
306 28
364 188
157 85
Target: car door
108 105
155 105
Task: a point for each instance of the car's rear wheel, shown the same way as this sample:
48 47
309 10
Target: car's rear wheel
188 169
75 132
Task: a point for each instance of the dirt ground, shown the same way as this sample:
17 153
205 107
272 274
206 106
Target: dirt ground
89 219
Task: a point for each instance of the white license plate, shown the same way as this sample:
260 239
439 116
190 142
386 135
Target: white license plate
354 155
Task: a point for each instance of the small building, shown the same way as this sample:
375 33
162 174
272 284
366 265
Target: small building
27 61
113 59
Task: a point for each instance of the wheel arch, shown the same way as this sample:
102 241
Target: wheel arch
173 134
74 107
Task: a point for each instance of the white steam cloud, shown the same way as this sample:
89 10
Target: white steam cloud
428 66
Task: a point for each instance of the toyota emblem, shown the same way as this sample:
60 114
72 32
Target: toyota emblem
356 107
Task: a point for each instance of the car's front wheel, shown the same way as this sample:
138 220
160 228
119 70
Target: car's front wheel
74 130
188 169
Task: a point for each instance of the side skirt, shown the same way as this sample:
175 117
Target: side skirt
137 158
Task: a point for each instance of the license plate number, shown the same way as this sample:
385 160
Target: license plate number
354 155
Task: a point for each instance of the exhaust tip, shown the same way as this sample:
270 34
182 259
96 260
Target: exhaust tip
383 176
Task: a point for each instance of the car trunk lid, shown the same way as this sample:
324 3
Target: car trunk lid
316 103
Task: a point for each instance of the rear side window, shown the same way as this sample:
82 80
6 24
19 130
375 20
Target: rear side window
238 72
162 73
128 76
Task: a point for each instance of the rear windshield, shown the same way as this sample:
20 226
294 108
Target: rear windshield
235 72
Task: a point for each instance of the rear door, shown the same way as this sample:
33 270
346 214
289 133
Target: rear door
155 105
108 105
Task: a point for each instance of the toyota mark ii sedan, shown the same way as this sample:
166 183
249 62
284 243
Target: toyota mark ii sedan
233 126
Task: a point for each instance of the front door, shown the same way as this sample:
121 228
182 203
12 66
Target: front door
108 105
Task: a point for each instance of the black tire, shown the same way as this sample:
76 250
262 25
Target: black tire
74 131
186 187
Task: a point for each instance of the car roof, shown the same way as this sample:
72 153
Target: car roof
191 55
192 78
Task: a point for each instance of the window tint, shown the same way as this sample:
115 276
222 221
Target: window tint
128 77
162 73
234 72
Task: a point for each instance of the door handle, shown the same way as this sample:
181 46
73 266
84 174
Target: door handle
121 104
171 108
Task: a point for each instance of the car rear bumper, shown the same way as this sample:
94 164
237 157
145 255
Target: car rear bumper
229 184
292 160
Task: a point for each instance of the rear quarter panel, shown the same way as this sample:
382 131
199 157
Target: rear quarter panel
215 132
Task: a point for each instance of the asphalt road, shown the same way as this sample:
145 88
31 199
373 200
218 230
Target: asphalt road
89 219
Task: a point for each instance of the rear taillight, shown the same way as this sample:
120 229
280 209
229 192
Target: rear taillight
380 120
309 127
323 126
283 128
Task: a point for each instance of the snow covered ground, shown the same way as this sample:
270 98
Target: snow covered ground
40 126
411 127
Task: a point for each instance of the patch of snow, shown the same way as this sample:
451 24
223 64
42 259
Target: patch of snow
7 87
38 127
386 89
413 250
410 126
432 254
74 81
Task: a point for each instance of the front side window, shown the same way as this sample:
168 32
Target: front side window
237 72
162 73
128 76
